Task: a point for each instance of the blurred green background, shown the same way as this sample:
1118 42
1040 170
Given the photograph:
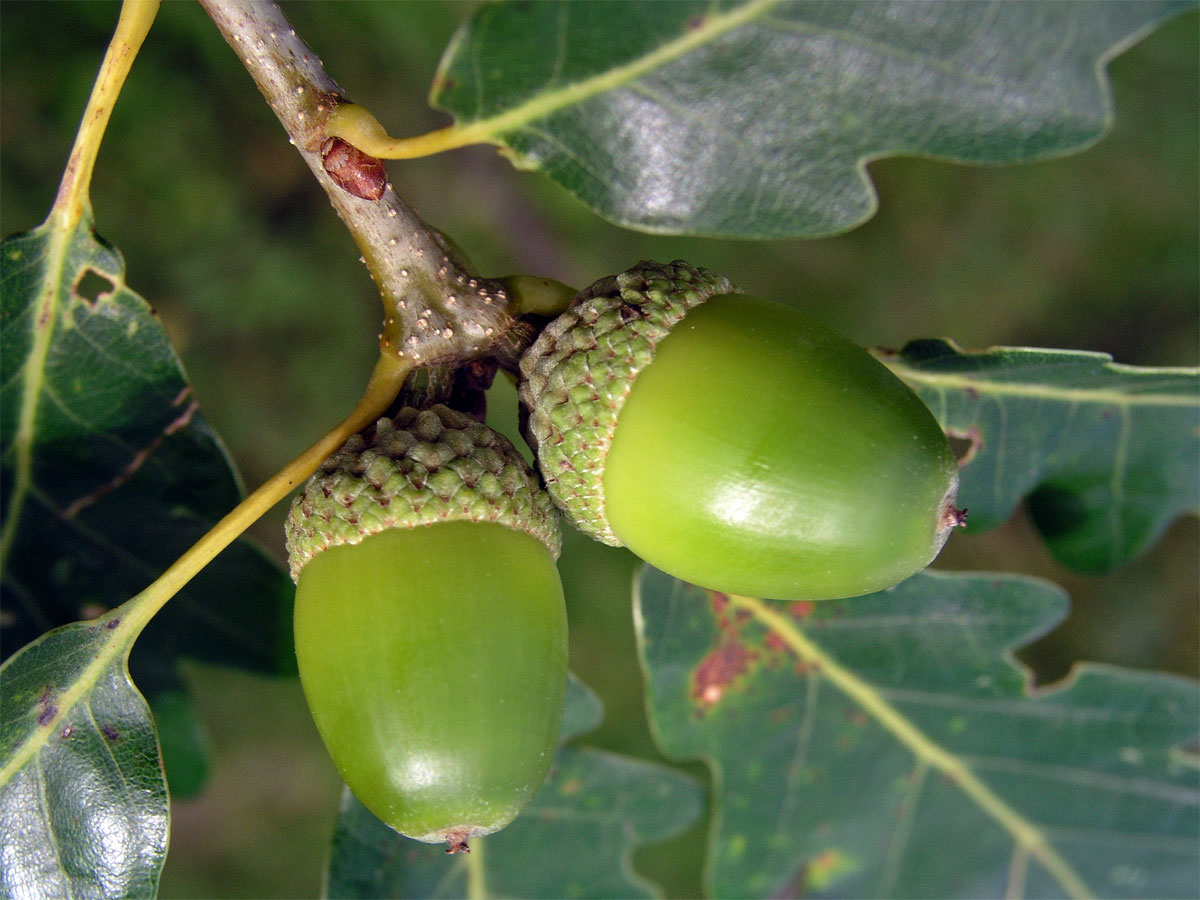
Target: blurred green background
226 234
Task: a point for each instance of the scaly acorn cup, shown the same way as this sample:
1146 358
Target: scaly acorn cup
430 624
734 442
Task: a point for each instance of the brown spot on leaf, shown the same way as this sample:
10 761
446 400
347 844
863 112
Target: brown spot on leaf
48 710
801 609
718 670
721 607
111 733
774 642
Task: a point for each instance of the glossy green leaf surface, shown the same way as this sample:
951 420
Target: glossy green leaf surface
83 802
899 752
756 119
1108 454
575 839
110 471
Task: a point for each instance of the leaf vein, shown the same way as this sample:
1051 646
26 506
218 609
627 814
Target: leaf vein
873 702
1088 778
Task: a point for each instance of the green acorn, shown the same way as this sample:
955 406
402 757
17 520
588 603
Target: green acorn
734 442
430 623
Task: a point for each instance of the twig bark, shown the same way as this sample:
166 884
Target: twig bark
434 310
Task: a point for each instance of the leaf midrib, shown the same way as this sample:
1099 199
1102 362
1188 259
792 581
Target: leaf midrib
1040 391
119 640
547 102
43 321
1027 836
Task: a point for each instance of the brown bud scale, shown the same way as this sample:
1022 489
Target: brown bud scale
354 171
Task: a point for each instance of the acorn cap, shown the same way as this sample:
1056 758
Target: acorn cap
418 468
578 373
